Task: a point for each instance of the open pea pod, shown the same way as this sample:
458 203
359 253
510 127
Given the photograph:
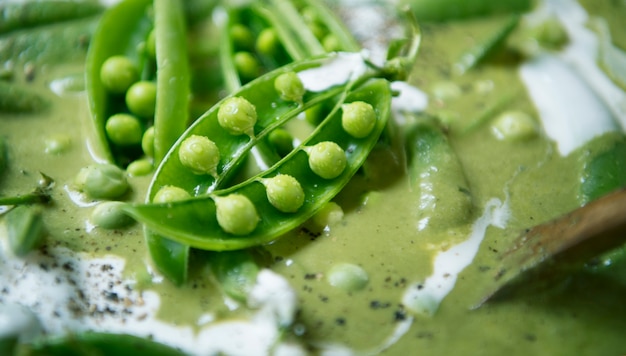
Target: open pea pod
194 221
124 31
272 111
260 37
121 29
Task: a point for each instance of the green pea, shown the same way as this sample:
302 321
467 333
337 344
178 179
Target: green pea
58 144
238 116
246 64
514 126
199 154
446 90
281 140
358 118
151 44
330 214
326 159
267 42
236 214
289 86
318 30
109 215
124 130
331 43
102 181
141 99
147 142
140 167
348 277
118 73
243 38
551 34
284 192
170 193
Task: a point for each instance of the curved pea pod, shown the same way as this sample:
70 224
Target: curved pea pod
94 343
604 167
20 15
194 221
437 177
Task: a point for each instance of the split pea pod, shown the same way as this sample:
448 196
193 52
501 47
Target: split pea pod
259 38
201 221
437 177
123 83
20 15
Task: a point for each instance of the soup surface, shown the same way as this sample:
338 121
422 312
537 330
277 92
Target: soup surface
425 264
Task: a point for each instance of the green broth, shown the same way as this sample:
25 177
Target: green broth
583 314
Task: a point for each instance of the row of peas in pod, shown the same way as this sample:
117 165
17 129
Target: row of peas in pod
261 36
139 50
194 202
182 205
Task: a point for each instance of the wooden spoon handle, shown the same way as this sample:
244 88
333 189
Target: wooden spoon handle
574 238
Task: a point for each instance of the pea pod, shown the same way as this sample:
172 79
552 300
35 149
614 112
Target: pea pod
289 39
25 229
236 272
485 48
173 78
34 45
604 167
121 29
194 221
3 156
447 10
437 177
20 15
94 343
19 99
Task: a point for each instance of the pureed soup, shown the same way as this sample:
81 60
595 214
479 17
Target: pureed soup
506 122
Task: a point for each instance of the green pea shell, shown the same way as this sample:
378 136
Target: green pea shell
194 221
